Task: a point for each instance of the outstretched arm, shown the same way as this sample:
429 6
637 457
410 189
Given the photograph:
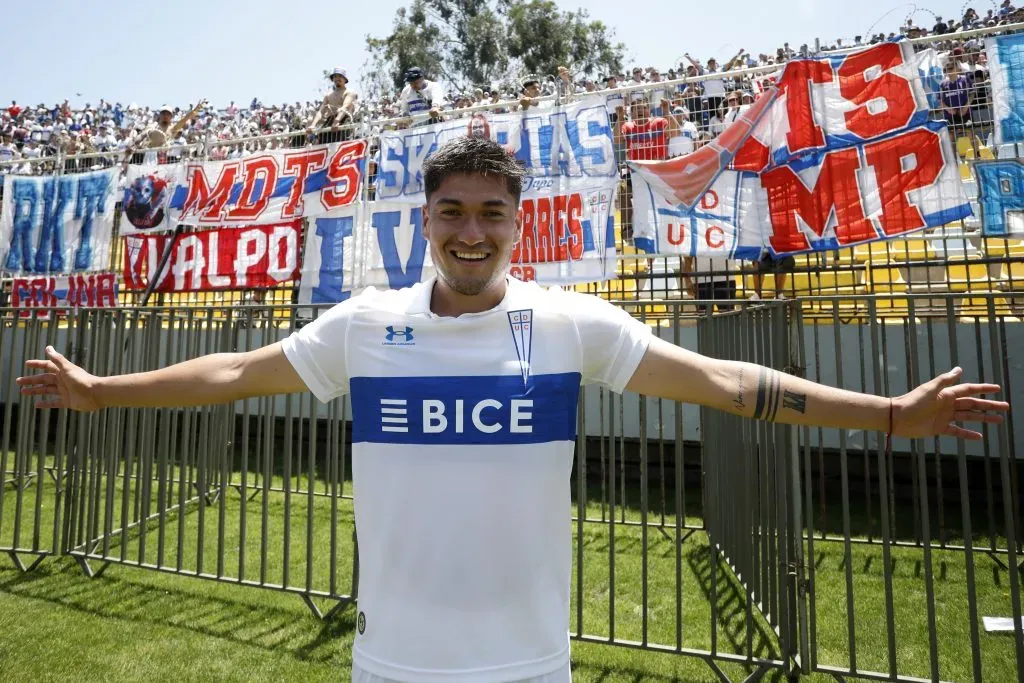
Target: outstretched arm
176 128
217 378
765 394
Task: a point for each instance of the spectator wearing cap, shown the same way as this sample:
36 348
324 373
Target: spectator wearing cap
337 108
731 112
683 133
656 95
614 100
163 131
955 98
420 96
645 138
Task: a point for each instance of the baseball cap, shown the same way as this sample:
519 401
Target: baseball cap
681 110
167 108
414 74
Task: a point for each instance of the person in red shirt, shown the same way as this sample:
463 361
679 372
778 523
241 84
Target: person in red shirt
646 139
14 109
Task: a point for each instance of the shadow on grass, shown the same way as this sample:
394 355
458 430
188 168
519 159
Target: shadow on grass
730 602
255 622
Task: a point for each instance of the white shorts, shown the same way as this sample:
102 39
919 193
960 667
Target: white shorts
563 675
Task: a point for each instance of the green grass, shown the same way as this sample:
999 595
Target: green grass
134 624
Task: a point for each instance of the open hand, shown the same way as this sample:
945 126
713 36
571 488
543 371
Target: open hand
933 408
62 384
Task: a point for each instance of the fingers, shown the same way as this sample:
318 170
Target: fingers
961 433
974 389
977 416
54 355
40 391
981 404
33 380
46 365
948 379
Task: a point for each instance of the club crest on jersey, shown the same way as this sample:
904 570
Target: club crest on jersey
401 336
521 323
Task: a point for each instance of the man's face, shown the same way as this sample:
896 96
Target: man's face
417 85
471 223
532 90
165 118
640 111
339 81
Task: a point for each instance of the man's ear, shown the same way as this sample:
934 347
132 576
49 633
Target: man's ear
424 230
519 224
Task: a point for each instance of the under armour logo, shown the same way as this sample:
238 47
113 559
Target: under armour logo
404 334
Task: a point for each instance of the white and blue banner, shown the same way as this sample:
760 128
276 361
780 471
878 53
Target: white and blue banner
57 224
565 149
567 239
1006 73
846 154
1001 197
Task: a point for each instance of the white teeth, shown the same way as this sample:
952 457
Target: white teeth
470 255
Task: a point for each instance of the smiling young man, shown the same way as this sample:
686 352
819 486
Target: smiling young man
464 392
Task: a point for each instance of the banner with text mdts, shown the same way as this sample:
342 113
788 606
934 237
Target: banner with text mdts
265 188
57 224
846 154
254 257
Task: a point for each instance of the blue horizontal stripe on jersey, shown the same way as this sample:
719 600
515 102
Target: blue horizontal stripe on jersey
495 409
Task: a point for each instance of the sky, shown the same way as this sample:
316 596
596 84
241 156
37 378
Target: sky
184 50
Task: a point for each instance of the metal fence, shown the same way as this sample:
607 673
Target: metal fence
749 546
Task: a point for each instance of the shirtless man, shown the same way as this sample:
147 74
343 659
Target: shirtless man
338 107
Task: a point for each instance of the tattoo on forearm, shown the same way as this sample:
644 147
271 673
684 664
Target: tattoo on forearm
794 401
738 401
769 386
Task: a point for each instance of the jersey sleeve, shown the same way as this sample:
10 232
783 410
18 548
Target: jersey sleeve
612 341
319 352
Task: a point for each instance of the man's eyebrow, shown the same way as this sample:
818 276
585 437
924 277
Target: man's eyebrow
487 202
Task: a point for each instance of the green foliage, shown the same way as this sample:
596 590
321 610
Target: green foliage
480 43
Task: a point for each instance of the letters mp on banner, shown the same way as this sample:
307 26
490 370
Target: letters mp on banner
57 224
567 238
266 188
70 291
255 257
846 154
1006 71
565 149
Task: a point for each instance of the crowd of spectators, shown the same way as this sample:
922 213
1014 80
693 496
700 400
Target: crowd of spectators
696 111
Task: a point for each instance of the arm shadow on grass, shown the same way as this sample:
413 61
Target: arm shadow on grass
130 597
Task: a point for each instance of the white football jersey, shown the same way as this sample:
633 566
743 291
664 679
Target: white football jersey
463 437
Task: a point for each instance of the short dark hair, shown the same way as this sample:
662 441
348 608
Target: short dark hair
473 155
